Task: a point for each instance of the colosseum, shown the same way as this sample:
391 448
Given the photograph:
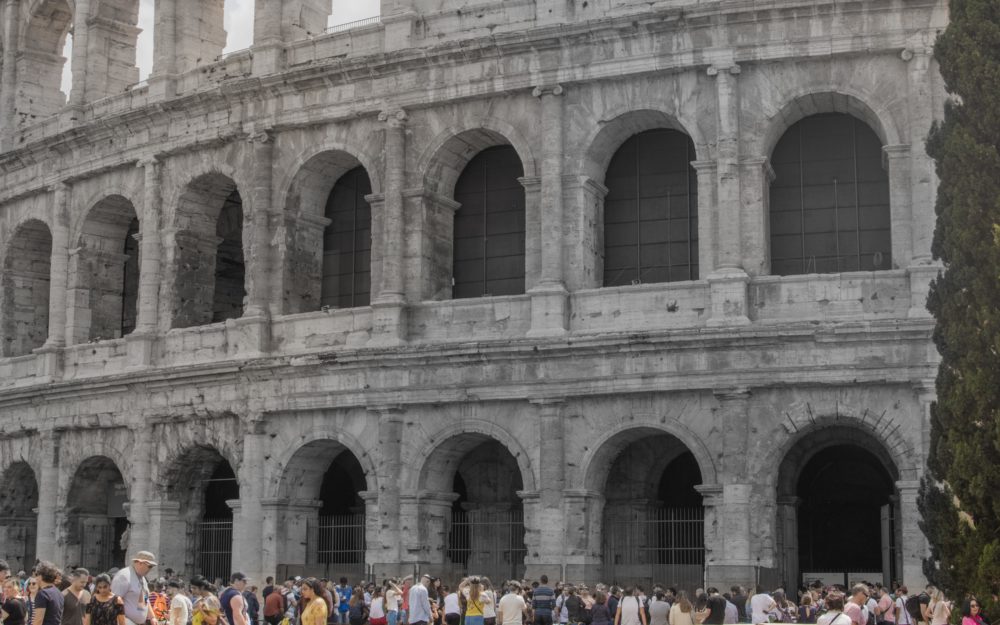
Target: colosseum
612 290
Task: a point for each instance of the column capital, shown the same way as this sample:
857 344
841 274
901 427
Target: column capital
261 136
544 90
151 160
711 493
912 52
908 487
760 163
394 117
388 412
898 150
732 69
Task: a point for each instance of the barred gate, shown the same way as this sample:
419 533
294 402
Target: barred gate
338 543
655 545
97 547
490 543
215 548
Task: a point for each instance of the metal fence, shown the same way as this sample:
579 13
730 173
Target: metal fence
655 545
368 21
97 547
215 548
491 543
340 539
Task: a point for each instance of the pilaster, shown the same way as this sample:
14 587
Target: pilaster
50 355
913 544
248 517
897 161
81 49
140 342
923 176
390 435
142 458
8 77
46 546
549 516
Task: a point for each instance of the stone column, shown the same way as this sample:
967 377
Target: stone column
900 202
81 47
389 306
729 279
389 469
549 516
142 459
549 298
583 244
926 391
913 545
48 498
50 354
268 53
584 510
161 80
140 342
167 533
787 537
708 190
756 175
248 513
8 79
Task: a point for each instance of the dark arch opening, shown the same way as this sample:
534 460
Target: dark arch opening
653 515
829 201
95 515
347 242
18 520
651 210
489 245
230 269
26 278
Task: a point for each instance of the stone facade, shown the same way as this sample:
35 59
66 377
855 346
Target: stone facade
534 398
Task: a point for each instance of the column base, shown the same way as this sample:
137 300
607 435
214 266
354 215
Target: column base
549 311
728 287
139 350
49 359
920 287
248 336
728 575
162 87
388 323
268 58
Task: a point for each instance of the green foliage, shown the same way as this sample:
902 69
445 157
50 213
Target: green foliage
964 459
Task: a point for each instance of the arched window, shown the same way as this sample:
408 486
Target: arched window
651 211
489 226
347 243
829 199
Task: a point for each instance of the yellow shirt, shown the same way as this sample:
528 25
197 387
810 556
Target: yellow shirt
474 608
315 613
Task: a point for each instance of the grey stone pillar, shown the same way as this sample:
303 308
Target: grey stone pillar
549 299
756 175
8 79
787 535
549 516
81 48
900 202
161 80
389 306
50 354
248 512
708 190
142 459
729 280
48 499
167 533
583 547
923 177
389 468
583 243
913 544
140 342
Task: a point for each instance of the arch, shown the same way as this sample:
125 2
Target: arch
339 439
441 456
104 272
319 169
597 460
442 162
95 516
26 279
18 521
603 142
812 101
40 65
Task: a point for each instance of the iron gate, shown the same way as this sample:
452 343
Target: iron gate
655 545
490 543
338 542
97 547
215 548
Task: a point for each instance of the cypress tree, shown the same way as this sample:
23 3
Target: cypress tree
960 496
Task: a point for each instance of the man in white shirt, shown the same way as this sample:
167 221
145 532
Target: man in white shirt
760 604
511 609
180 605
130 584
420 603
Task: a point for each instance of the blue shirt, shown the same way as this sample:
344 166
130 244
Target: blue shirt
344 592
543 600
420 604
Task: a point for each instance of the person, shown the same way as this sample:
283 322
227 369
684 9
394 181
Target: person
761 604
13 609
49 601
376 611
357 610
574 606
130 584
419 602
274 607
489 603
31 592
972 613
834 611
392 601
681 612
453 609
315 612
511 608
600 614
659 609
234 606
940 608
542 601
471 594
75 597
180 604
924 599
253 604
268 587
4 575
630 610
903 616
807 609
105 608
344 593
854 607
885 613
739 598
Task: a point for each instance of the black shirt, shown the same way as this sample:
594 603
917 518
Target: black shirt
15 610
50 600
717 604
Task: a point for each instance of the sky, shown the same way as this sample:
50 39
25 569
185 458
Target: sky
238 23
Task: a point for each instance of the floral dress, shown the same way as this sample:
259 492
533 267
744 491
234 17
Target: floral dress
105 612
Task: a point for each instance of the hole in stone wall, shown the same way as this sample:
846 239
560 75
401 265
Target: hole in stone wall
230 270
18 520
26 279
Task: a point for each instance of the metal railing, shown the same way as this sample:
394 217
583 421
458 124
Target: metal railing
215 548
491 543
655 545
97 547
340 539
368 21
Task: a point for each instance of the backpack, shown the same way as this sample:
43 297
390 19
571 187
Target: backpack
912 606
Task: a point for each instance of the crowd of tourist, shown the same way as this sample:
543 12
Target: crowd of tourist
133 596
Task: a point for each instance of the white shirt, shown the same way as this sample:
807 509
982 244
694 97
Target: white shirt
512 607
180 601
451 604
732 613
134 592
376 610
630 610
489 604
834 618
420 604
760 605
391 601
904 616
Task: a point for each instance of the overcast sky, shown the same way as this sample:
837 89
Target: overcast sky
239 25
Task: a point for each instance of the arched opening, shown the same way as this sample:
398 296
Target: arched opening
40 64
837 509
26 276
653 520
204 484
324 525
651 210
210 270
104 273
347 243
485 524
489 235
829 201
96 522
18 519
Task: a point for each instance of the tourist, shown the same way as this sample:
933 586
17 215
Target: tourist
130 584
49 601
489 602
30 594
542 602
574 606
180 604
600 614
419 602
453 609
105 608
470 594
681 612
940 608
854 607
885 614
275 606
315 611
902 614
376 611
924 601
75 597
807 610
761 604
253 604
344 594
13 609
234 606
268 587
357 610
630 610
392 601
4 576
512 606
738 597
715 605
659 609
972 613
834 611
206 609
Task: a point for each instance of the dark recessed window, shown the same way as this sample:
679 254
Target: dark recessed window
347 243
